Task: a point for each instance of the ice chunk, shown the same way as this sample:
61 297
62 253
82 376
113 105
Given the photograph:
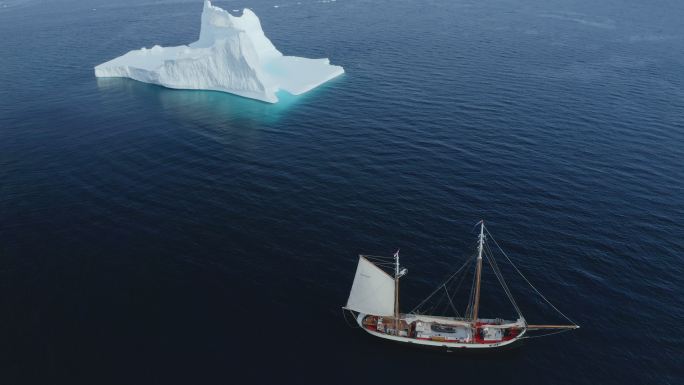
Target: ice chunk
232 55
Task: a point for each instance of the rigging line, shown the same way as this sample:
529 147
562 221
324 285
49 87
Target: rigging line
436 304
436 290
376 257
425 300
497 272
450 301
344 314
499 275
440 302
471 303
446 307
384 264
446 290
526 280
471 300
455 288
460 282
379 261
547 334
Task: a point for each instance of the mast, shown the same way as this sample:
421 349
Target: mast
478 273
396 292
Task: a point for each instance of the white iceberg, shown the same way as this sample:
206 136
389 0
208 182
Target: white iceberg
232 55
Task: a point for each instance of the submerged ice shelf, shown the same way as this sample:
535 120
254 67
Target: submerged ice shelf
232 55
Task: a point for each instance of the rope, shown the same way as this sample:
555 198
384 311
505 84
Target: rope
440 287
380 261
471 300
377 257
461 280
526 280
451 302
445 311
497 272
547 334
386 265
344 315
439 304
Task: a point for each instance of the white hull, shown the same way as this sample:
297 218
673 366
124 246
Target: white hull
439 344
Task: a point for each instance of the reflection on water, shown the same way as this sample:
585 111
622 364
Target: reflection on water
197 105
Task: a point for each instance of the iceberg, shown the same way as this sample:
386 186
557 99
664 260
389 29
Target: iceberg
232 55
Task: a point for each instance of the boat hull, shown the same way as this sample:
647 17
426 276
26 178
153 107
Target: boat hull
448 346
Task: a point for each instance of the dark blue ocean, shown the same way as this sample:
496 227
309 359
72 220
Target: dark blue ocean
157 236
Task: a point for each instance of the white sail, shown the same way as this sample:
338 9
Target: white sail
372 291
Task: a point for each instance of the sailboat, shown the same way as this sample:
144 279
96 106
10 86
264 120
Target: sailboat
374 302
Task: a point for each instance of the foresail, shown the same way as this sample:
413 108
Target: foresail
372 291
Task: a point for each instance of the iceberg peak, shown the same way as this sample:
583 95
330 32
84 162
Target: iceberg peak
231 55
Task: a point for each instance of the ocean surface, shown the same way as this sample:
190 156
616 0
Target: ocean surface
157 236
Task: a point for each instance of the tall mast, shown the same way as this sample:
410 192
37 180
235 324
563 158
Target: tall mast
396 292
478 273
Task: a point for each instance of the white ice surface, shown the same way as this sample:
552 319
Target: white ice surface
232 55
